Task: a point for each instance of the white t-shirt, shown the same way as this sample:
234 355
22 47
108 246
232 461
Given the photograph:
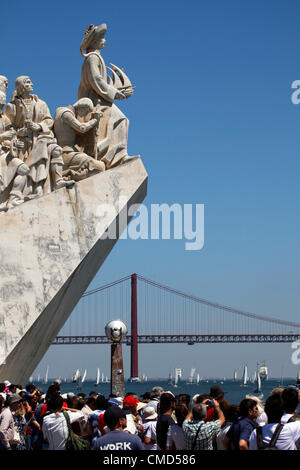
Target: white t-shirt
289 437
285 417
175 437
150 431
55 428
221 436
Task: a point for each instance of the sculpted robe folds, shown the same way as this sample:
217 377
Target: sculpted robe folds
35 149
113 129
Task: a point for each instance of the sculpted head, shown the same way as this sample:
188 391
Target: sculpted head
94 38
83 106
3 83
23 85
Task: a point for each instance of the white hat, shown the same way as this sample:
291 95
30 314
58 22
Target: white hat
149 413
7 383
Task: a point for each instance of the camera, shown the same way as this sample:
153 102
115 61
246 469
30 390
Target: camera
209 403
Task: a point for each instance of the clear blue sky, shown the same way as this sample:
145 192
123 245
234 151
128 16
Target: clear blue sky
213 121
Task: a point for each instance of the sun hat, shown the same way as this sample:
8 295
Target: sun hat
14 398
7 383
149 413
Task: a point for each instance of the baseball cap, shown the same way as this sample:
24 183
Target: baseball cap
112 415
130 401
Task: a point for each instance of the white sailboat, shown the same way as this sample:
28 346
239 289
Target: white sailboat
46 375
102 377
98 377
263 371
234 375
257 391
76 376
83 377
191 377
178 373
245 376
198 378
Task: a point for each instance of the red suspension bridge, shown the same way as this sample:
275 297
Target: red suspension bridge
155 313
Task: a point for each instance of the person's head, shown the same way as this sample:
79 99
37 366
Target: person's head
200 398
149 413
184 398
12 388
115 418
30 387
52 389
167 403
232 413
57 151
146 397
23 85
91 402
83 107
216 392
15 401
130 404
181 412
199 412
248 409
156 392
55 402
277 391
274 408
290 399
101 402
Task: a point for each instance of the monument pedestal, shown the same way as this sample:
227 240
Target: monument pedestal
50 250
117 372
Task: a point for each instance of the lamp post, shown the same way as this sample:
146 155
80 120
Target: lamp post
115 331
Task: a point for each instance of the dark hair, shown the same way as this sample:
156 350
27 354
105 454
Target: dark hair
290 399
11 387
199 412
181 412
274 408
232 413
2 386
184 398
101 402
165 404
55 402
245 406
203 396
30 387
52 390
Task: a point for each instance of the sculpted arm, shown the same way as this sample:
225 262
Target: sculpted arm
80 127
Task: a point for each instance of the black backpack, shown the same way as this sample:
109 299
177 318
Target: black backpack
271 445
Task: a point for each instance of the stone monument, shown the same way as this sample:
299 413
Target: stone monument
115 331
56 176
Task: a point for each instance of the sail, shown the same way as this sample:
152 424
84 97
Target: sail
102 377
234 375
177 375
191 378
46 375
83 377
76 376
98 376
245 375
258 382
198 378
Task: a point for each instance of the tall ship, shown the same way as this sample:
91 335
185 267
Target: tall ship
263 371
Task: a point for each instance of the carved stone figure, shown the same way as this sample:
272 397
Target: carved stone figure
69 126
113 129
12 170
32 120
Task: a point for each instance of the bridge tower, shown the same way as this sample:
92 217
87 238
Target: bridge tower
134 373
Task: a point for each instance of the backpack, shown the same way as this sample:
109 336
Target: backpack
74 442
271 445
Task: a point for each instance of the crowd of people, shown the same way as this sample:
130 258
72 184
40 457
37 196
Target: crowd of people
157 420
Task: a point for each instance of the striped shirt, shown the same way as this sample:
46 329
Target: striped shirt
205 435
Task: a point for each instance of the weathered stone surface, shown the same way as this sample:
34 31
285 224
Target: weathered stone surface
50 250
